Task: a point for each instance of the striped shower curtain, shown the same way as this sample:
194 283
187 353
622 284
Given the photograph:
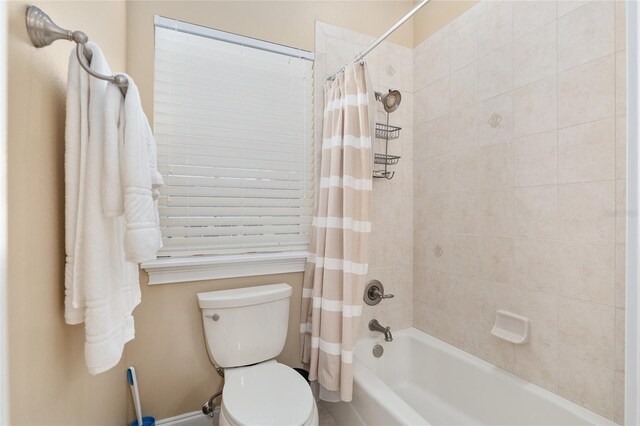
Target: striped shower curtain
337 264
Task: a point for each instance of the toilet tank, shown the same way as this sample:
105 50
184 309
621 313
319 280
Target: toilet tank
245 326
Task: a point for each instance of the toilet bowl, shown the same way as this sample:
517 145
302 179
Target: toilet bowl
268 393
245 329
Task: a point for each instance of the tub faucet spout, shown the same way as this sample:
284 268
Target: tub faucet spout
374 325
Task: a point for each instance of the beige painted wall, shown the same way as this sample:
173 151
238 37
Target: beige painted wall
49 383
436 15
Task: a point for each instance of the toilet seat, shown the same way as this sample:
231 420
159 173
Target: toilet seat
268 393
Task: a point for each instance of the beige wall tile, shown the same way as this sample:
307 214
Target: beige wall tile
620 25
585 34
542 310
464 173
536 159
620 275
389 69
587 93
433 213
437 173
438 291
621 82
433 322
465 212
496 72
587 384
587 271
465 293
619 351
621 211
436 251
496 166
491 297
464 45
465 335
464 87
621 147
496 119
495 27
532 195
566 6
496 259
420 105
529 15
586 331
587 152
536 212
496 213
438 58
464 256
537 265
619 398
496 351
537 363
438 136
406 83
419 178
586 211
535 55
535 107
420 141
438 98
463 129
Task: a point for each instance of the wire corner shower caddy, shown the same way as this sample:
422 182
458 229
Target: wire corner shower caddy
387 132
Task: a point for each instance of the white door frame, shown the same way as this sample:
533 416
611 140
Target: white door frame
4 105
632 320
4 371
4 99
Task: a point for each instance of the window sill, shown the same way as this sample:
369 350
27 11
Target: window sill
168 271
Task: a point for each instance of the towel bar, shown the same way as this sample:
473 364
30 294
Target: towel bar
43 31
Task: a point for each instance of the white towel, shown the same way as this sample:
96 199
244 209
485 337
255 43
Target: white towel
76 140
139 178
105 286
113 137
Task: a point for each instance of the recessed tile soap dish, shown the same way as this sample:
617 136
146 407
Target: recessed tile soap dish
511 327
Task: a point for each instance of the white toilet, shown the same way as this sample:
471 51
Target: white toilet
245 329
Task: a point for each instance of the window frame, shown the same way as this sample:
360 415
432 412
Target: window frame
168 270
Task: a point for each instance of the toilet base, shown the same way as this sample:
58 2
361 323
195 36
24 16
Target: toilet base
313 422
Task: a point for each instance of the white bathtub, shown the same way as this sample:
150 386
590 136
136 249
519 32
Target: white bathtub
420 380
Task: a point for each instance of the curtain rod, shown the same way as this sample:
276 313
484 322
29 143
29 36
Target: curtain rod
380 39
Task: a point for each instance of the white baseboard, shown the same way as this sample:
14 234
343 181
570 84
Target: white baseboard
195 418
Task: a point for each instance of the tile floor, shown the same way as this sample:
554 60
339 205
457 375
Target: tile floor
326 419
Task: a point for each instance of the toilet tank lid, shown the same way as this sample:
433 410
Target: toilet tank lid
244 296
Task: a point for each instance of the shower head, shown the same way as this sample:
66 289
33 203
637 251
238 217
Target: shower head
390 101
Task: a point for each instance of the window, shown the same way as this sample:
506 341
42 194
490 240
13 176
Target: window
233 124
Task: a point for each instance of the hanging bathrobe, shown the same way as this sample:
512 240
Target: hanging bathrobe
337 263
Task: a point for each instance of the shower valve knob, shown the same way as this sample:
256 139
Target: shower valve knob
374 293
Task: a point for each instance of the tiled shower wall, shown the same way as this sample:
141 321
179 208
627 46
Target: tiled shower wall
519 186
391 242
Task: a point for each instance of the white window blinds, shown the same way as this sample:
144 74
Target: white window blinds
233 124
